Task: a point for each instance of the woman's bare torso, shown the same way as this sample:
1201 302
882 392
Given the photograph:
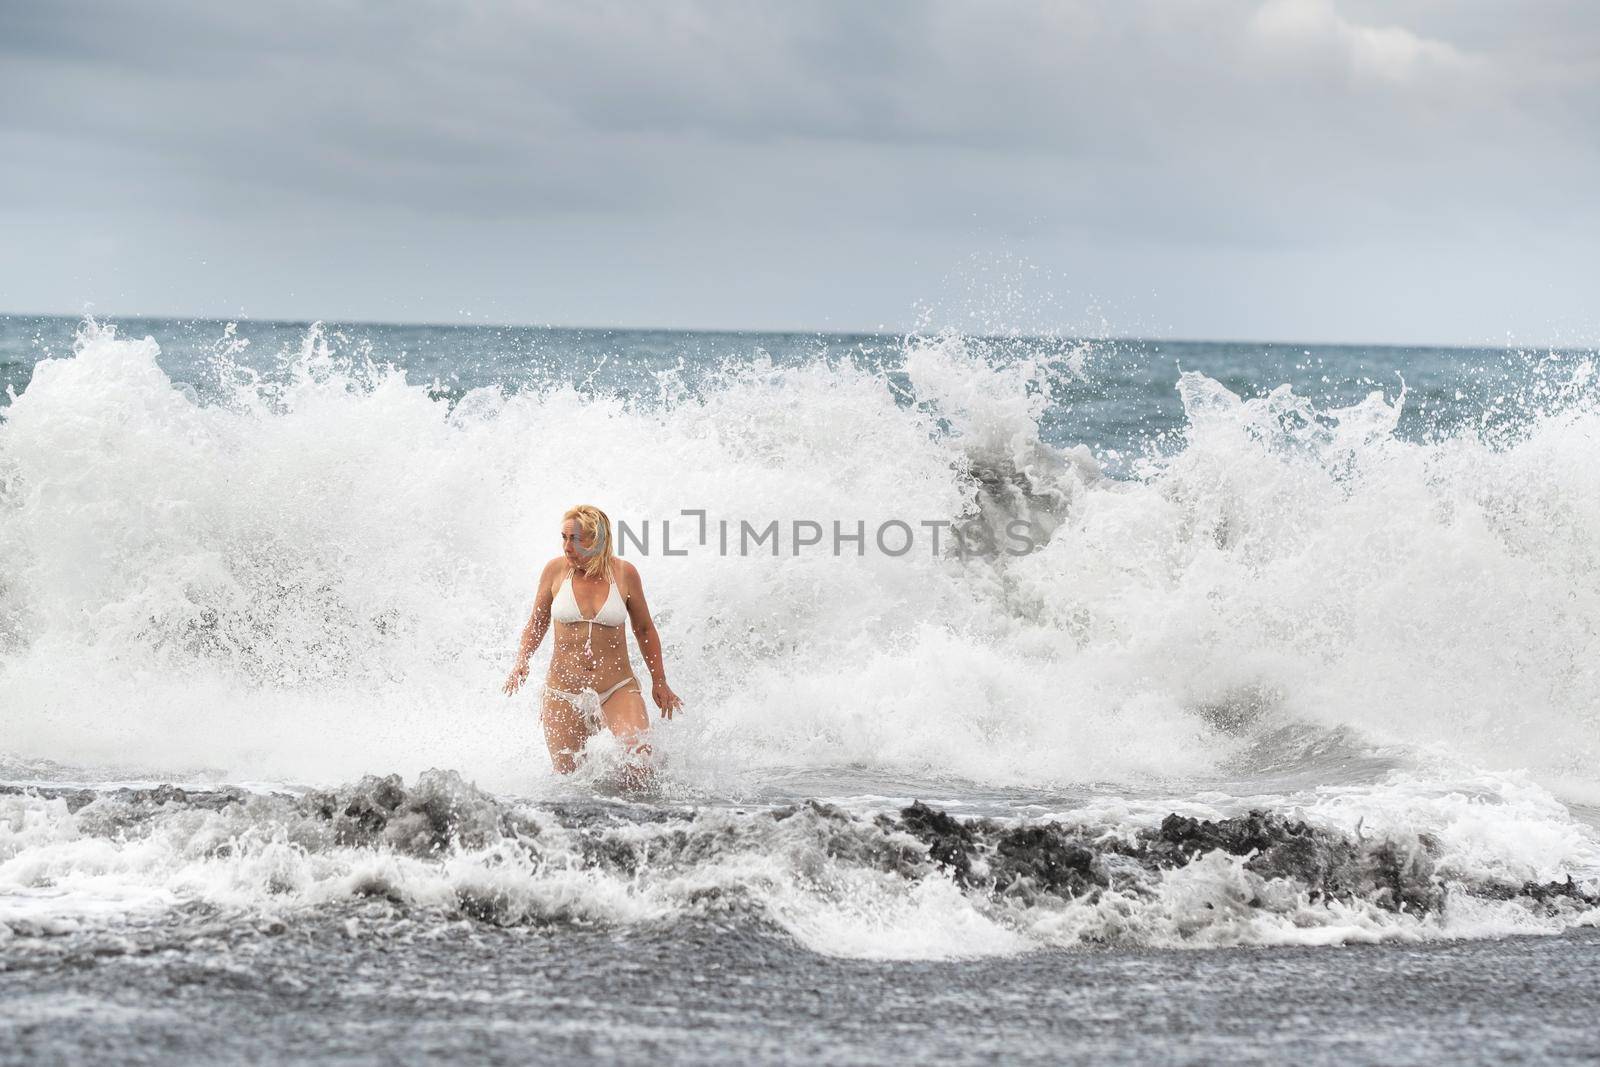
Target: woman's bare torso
584 656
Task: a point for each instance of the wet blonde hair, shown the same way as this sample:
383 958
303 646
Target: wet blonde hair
595 528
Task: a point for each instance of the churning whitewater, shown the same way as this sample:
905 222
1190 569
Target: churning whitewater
1281 674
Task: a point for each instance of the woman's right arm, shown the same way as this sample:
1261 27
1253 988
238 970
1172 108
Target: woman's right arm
533 633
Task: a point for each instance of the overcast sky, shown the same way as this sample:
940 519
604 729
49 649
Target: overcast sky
1410 171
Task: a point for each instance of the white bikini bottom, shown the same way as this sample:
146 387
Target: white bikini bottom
588 702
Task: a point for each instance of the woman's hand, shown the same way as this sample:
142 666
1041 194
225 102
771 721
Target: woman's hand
665 699
519 674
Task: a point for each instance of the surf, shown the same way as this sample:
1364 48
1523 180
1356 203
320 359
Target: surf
200 586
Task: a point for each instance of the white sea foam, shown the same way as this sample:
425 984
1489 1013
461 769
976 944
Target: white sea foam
324 576
837 883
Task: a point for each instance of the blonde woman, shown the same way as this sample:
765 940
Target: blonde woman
588 593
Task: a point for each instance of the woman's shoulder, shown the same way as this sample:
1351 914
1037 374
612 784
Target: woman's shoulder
624 571
553 570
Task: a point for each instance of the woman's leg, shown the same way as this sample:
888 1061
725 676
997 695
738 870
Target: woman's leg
628 721
565 731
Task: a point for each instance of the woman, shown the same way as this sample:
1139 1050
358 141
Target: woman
588 593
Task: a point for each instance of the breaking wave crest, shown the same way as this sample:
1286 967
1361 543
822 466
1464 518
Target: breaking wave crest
916 882
338 554
1364 663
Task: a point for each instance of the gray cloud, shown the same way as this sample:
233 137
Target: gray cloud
1294 168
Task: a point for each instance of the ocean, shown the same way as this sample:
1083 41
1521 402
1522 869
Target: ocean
1047 699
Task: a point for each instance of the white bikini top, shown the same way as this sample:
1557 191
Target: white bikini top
565 606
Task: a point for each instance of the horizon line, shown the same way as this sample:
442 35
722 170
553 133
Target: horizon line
274 320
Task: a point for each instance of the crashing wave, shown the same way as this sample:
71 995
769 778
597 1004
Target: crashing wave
916 881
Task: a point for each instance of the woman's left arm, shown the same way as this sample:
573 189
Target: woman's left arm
644 628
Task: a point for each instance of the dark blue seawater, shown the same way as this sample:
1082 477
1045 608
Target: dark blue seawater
1117 395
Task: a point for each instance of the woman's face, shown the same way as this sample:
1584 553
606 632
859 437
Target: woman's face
573 546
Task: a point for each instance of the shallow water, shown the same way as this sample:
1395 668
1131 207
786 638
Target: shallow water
342 992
